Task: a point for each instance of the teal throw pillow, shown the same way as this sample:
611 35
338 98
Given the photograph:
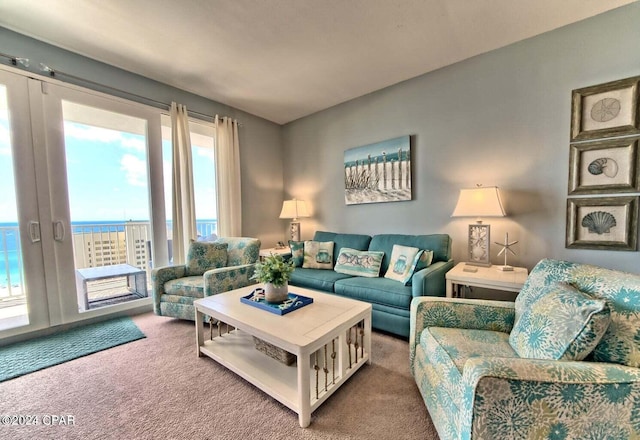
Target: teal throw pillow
204 256
404 260
318 255
359 263
297 252
563 324
425 260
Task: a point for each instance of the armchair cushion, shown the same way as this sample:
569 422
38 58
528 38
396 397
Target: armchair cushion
203 256
564 324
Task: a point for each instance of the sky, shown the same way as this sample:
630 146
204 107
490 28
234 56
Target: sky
107 174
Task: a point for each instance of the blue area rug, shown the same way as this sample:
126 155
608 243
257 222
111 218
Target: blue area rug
43 352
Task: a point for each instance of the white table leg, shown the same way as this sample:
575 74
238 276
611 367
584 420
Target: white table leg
367 338
199 331
304 393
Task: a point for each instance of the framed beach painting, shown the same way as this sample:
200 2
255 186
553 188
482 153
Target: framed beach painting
379 172
605 110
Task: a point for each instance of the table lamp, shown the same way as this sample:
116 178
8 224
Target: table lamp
479 202
294 209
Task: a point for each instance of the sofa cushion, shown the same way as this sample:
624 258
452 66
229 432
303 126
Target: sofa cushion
448 349
318 255
297 252
188 286
319 279
440 244
359 263
563 324
404 260
203 256
621 342
375 290
354 241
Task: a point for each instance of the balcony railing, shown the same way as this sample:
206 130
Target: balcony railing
94 245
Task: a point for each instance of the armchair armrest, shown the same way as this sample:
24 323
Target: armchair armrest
225 279
430 281
161 275
428 311
531 398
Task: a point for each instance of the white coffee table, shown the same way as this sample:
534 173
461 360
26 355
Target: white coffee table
312 333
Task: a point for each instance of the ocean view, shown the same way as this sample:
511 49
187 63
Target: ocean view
11 270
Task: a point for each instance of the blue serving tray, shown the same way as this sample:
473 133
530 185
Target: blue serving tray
274 307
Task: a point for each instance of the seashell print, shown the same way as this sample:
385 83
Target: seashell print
605 110
603 165
599 222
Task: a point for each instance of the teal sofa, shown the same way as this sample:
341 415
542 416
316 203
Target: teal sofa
390 299
464 358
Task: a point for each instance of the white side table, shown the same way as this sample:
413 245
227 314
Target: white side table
485 277
284 252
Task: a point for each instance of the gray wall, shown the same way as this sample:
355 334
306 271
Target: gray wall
260 140
501 118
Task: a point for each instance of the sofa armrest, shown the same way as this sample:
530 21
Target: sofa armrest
532 398
225 279
430 281
428 311
161 275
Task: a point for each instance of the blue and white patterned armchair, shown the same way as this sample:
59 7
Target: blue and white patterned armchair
211 268
499 370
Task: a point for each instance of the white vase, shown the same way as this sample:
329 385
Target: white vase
275 294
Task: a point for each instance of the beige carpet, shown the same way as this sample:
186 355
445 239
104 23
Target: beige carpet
157 388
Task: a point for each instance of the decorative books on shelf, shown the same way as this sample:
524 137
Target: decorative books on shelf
295 301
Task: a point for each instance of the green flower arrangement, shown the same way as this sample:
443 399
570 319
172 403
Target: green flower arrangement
273 269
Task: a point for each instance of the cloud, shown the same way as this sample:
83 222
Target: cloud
136 170
104 135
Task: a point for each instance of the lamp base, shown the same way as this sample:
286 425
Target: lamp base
294 231
505 268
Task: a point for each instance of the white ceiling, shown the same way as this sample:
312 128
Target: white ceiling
285 59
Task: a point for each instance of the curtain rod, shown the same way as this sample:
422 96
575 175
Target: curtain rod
122 93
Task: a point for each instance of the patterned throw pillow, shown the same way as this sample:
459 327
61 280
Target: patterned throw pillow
404 260
297 252
318 255
359 263
425 260
564 324
203 256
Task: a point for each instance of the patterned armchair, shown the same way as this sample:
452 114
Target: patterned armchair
211 268
563 362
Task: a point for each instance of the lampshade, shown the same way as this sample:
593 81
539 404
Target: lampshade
479 202
294 209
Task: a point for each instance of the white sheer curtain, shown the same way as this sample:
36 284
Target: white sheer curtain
184 212
228 178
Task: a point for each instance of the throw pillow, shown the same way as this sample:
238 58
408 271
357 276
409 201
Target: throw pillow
203 256
297 252
404 260
318 255
425 260
564 324
359 263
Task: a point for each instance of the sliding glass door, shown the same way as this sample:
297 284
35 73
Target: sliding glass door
102 165
23 302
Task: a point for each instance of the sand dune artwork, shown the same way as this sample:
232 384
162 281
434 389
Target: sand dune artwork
379 172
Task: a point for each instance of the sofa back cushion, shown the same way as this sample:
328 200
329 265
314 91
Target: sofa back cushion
353 241
563 324
440 244
621 342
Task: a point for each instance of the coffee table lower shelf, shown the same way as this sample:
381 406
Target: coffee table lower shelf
236 351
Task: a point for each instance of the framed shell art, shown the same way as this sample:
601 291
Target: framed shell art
379 172
608 166
605 110
609 223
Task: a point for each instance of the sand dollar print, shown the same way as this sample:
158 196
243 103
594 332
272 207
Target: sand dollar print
605 110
